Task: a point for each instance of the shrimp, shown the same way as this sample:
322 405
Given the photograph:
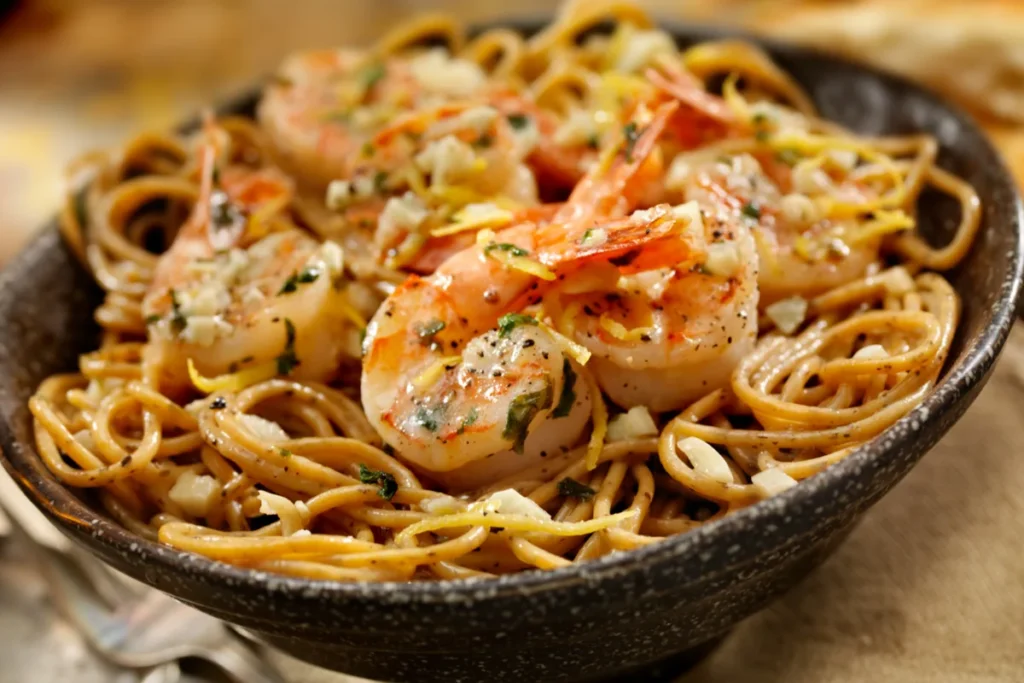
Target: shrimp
802 253
455 376
227 299
662 337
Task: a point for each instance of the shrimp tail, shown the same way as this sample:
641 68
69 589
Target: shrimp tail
684 87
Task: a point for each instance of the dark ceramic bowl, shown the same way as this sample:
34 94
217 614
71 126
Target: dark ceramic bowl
594 620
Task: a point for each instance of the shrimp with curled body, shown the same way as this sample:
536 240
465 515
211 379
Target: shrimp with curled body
230 296
456 377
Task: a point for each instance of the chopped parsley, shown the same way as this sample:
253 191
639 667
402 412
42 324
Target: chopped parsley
429 418
468 421
151 319
303 277
632 133
484 141
521 413
223 213
387 487
368 149
372 75
751 210
762 135
178 321
428 330
570 488
586 235
284 452
505 247
379 180
511 321
568 396
594 141
287 361
518 121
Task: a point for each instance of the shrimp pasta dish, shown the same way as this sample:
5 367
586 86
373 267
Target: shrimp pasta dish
458 305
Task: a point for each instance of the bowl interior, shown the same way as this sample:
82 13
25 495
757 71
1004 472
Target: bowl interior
47 299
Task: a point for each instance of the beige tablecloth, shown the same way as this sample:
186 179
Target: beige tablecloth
930 587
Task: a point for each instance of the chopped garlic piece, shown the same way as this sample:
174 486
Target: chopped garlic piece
578 129
690 212
438 72
339 194
204 330
595 237
788 314
772 481
898 281
706 460
333 256
511 502
641 48
447 160
401 215
194 493
798 208
723 259
264 430
477 119
871 352
442 505
637 423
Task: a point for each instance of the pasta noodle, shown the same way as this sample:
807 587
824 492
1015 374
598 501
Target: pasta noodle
419 154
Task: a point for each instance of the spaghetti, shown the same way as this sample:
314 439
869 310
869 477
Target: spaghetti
614 204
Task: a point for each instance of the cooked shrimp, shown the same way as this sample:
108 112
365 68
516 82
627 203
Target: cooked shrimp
453 374
801 251
227 299
662 337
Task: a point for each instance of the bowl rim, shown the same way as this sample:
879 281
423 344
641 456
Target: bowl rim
978 358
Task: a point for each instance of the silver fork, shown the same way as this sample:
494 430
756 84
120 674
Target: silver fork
125 621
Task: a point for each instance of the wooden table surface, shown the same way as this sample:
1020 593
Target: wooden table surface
928 588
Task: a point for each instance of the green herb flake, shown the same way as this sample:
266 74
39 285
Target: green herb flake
518 121
511 321
762 135
287 361
568 397
631 133
586 235
223 213
372 75
178 321
152 319
303 277
570 488
751 210
387 487
284 452
521 412
380 179
368 149
484 141
428 418
594 141
505 247
428 330
468 421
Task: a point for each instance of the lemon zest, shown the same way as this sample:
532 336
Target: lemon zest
884 223
497 219
579 353
599 417
234 381
434 371
620 331
734 100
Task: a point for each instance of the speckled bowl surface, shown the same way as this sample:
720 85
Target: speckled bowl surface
591 620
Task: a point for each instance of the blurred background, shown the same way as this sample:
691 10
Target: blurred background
80 74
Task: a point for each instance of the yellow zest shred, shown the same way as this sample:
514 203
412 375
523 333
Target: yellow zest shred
734 100
456 195
803 248
434 371
579 353
620 331
599 416
406 251
511 523
486 239
884 223
414 179
351 313
232 382
496 219
259 220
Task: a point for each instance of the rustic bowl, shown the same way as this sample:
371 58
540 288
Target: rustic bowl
621 613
